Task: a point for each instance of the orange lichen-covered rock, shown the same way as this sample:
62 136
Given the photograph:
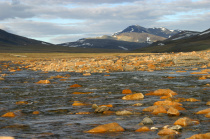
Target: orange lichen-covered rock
82 93
108 112
185 121
159 109
164 92
75 85
108 105
199 73
192 100
111 127
36 112
167 131
126 91
202 78
166 102
205 111
9 114
173 112
78 103
83 113
200 136
43 82
136 96
143 129
208 103
21 102
207 115
150 109
6 137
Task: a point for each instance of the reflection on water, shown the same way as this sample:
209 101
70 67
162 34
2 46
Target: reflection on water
58 119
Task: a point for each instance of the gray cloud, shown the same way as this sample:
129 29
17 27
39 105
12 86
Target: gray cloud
98 17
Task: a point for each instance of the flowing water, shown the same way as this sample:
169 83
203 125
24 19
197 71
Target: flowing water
58 118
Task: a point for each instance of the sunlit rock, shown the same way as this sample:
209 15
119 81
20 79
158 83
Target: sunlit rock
136 96
6 137
146 121
78 103
21 102
192 100
43 82
185 121
207 115
101 109
173 112
124 112
159 109
143 129
75 86
167 131
36 112
166 102
9 114
200 136
111 127
126 91
208 103
205 111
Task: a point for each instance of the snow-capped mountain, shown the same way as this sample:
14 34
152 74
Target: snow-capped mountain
184 35
160 31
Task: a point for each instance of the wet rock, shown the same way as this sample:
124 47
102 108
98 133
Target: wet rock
163 92
185 121
200 136
9 114
207 115
137 96
6 137
176 127
146 121
124 112
166 102
78 103
43 82
159 109
75 86
21 102
36 112
126 91
143 129
1 79
111 127
82 113
94 106
101 109
173 112
192 100
137 104
205 111
167 131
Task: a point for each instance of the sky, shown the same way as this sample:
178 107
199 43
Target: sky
60 21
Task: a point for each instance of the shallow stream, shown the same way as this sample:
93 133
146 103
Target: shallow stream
58 118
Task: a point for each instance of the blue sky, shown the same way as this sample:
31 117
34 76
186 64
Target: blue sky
59 21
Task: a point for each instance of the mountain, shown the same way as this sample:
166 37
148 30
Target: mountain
161 31
12 43
104 43
131 38
12 39
184 41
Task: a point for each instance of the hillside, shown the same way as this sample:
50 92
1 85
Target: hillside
197 41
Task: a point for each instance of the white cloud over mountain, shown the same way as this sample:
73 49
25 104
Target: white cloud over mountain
69 20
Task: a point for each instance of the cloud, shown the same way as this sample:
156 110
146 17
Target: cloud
62 19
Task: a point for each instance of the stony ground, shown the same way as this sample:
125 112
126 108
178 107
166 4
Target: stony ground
101 63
